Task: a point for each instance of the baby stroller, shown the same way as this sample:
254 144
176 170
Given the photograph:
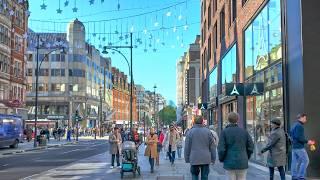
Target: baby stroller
129 158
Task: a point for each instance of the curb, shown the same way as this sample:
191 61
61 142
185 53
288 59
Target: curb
39 148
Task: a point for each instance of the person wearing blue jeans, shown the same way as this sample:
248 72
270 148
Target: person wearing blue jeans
300 159
195 171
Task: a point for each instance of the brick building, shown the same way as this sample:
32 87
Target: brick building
121 99
13 27
272 42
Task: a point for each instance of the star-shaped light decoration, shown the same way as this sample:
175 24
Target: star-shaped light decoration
179 17
102 1
110 44
174 29
75 9
94 34
103 39
116 32
43 6
138 39
145 50
154 50
121 37
185 27
168 14
127 42
156 24
100 46
126 36
91 2
145 31
163 43
59 11
150 45
135 46
66 3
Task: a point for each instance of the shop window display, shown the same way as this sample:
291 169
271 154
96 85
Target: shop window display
263 63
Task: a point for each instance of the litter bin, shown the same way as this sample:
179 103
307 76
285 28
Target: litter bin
42 140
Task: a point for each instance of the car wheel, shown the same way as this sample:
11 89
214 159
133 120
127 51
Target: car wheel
15 144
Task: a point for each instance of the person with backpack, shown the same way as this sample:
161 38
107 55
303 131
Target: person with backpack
277 149
300 159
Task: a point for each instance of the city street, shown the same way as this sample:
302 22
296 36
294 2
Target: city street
25 164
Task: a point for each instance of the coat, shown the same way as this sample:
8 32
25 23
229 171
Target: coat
235 148
199 146
151 149
277 148
115 144
176 137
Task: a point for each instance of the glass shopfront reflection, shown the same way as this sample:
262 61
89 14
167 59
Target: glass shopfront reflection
263 63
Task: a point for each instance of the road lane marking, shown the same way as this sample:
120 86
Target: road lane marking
71 151
4 165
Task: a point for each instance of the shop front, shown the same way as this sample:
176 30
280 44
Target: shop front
263 64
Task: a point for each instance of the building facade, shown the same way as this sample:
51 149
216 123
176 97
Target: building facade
13 28
75 79
121 99
188 83
261 41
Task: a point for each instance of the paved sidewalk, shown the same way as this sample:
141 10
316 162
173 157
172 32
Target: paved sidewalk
98 167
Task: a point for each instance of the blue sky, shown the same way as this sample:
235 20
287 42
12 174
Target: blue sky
164 26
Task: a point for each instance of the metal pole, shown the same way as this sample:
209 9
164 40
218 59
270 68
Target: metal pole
95 129
144 126
100 115
154 106
77 135
131 89
36 103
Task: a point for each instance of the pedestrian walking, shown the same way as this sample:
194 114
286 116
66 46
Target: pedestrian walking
215 135
171 140
115 147
159 146
179 142
300 159
199 149
277 149
29 134
151 149
235 149
69 134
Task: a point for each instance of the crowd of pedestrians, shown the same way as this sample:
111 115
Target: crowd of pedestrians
233 148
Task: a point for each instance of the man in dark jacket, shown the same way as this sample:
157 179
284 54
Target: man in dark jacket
199 149
235 148
300 159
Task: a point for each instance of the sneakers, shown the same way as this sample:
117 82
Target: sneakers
111 167
119 167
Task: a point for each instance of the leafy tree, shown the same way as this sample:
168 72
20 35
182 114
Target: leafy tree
167 115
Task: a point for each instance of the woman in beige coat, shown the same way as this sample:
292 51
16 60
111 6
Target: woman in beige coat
115 147
151 149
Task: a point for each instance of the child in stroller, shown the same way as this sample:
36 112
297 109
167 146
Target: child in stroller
129 158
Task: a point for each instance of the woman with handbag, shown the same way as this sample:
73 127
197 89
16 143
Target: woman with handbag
151 149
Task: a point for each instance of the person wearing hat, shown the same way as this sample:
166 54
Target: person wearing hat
277 149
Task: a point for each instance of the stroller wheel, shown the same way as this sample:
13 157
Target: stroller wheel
121 173
138 169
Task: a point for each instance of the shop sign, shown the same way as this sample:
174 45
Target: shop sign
244 89
203 106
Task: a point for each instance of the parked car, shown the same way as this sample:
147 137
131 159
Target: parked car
11 131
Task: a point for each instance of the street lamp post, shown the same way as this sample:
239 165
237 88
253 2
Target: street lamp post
115 48
100 113
37 83
154 106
